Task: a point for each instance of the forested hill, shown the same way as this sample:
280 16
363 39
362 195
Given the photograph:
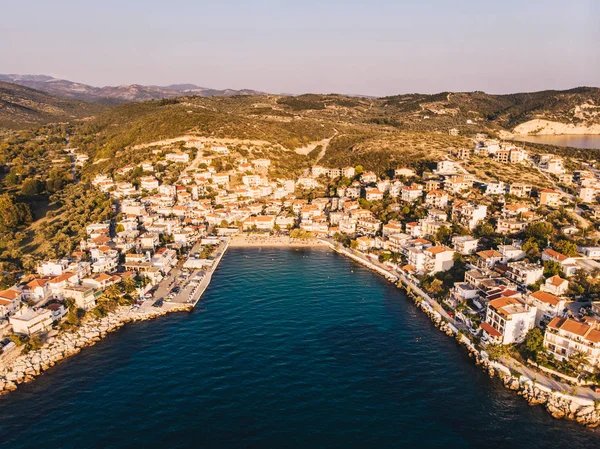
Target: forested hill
22 107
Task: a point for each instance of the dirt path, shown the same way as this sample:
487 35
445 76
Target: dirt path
324 144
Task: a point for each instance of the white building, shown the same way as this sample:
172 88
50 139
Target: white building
565 337
507 320
548 306
465 244
29 322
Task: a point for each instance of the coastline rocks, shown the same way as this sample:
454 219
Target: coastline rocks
25 367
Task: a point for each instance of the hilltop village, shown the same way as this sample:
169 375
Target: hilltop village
514 263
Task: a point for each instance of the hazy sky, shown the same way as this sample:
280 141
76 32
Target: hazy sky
374 47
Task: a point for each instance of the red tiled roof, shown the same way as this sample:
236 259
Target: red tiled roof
490 330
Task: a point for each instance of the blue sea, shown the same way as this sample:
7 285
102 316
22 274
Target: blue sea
287 349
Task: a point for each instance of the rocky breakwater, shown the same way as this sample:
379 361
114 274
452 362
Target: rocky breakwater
560 405
25 367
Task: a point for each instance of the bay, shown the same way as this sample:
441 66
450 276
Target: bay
287 348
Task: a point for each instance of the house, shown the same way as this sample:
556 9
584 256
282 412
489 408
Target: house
391 228
9 302
489 258
259 222
555 285
37 290
348 172
364 243
406 172
436 198
457 184
593 252
552 165
463 153
100 281
495 188
513 210
148 183
567 264
468 214
565 337
587 194
28 321
548 306
149 240
53 267
373 194
510 226
397 242
524 273
446 167
368 177
308 182
549 197
519 189
411 193
82 295
465 244
179 157
507 320
438 258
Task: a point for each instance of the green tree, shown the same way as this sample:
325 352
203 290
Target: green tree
552 268
534 341
443 234
483 229
565 247
31 187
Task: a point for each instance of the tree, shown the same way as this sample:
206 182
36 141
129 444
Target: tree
31 187
483 229
11 179
443 234
552 268
532 248
13 215
565 247
534 341
578 361
540 230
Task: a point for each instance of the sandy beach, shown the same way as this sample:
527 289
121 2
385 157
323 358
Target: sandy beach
247 241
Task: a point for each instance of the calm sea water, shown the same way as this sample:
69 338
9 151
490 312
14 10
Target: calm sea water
575 141
288 348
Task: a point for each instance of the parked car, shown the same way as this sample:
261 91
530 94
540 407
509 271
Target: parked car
158 303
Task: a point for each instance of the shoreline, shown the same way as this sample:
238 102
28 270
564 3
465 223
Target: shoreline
26 367
16 369
559 405
258 241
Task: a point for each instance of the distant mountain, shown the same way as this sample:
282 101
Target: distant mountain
22 106
116 94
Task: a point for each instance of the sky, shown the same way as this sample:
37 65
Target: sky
371 47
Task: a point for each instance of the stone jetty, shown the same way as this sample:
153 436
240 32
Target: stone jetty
15 370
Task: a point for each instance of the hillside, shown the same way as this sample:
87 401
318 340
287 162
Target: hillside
578 107
115 94
22 106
